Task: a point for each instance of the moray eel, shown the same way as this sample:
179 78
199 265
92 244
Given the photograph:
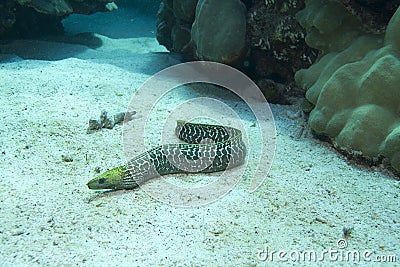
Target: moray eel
209 148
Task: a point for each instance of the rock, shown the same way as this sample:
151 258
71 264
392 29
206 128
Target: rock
119 117
277 92
107 121
94 125
7 15
67 158
31 18
55 7
165 22
124 116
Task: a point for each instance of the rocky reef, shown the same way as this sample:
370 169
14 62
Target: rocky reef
29 18
355 84
277 48
342 54
262 38
203 29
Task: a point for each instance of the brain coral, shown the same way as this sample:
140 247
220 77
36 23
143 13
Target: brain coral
356 93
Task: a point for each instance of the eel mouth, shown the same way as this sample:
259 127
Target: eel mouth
98 183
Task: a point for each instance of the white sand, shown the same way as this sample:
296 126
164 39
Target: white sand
50 218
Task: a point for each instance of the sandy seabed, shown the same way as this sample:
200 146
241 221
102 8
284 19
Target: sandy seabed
50 89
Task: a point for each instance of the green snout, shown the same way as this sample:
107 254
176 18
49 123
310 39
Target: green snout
110 179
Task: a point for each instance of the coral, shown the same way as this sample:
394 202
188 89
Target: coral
204 29
185 10
219 30
329 26
355 90
277 47
215 30
373 14
174 23
165 22
351 20
276 37
274 47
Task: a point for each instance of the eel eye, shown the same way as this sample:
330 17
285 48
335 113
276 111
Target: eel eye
102 180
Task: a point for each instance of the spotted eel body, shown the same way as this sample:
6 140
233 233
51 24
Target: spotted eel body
210 148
